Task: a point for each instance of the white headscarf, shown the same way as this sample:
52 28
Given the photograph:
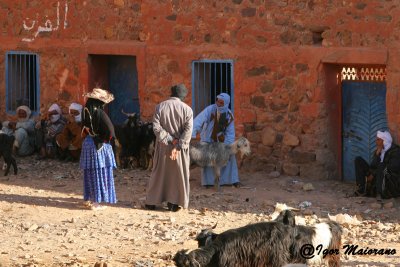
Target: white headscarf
55 117
387 142
78 107
227 100
28 113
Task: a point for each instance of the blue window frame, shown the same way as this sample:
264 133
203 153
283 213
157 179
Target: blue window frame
22 81
209 79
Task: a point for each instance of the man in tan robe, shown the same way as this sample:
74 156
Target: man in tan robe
173 125
70 139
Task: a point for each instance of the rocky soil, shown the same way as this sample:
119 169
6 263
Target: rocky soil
43 221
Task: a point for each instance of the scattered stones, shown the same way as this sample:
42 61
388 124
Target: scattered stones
55 232
274 174
308 187
375 205
388 205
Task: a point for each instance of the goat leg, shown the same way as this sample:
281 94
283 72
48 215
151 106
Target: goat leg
14 164
216 184
8 162
217 174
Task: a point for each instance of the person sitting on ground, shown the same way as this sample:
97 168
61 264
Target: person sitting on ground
47 131
215 124
23 130
70 139
381 178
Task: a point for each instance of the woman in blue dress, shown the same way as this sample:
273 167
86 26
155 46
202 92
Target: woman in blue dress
97 157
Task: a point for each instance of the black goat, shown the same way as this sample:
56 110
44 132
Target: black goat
147 140
260 244
206 236
6 145
269 244
128 140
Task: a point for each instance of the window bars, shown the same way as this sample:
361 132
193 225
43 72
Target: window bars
209 79
22 81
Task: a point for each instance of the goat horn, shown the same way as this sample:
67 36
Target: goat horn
215 225
128 114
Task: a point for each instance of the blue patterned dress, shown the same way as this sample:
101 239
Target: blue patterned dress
98 177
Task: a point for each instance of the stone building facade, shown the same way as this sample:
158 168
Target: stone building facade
287 60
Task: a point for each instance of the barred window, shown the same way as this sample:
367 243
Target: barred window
209 79
22 81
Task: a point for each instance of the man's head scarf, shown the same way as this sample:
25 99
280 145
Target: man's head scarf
227 100
77 107
179 91
28 113
57 116
387 142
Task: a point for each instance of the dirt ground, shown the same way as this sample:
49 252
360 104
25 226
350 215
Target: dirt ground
44 223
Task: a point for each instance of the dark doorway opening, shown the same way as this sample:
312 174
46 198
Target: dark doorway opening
119 75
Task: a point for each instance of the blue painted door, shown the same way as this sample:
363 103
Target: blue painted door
123 83
364 113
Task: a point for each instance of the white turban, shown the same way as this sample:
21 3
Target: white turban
78 107
387 141
55 107
55 117
27 110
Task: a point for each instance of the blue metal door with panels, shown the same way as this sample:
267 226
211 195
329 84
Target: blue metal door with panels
363 114
123 83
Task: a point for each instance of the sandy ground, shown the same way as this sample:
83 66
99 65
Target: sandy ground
43 221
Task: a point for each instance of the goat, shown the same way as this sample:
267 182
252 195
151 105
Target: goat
6 144
326 239
206 236
269 244
260 244
147 142
217 155
128 139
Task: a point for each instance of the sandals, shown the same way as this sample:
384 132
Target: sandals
173 207
87 204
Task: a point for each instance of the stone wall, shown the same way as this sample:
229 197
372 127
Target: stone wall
280 50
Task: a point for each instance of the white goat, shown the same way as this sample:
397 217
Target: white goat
217 154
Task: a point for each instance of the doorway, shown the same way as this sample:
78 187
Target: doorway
363 114
119 75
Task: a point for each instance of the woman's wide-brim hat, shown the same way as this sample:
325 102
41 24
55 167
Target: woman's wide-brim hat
101 94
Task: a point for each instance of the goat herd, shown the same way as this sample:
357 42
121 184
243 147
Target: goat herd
135 142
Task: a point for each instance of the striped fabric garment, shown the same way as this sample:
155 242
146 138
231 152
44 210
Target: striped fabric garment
98 167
